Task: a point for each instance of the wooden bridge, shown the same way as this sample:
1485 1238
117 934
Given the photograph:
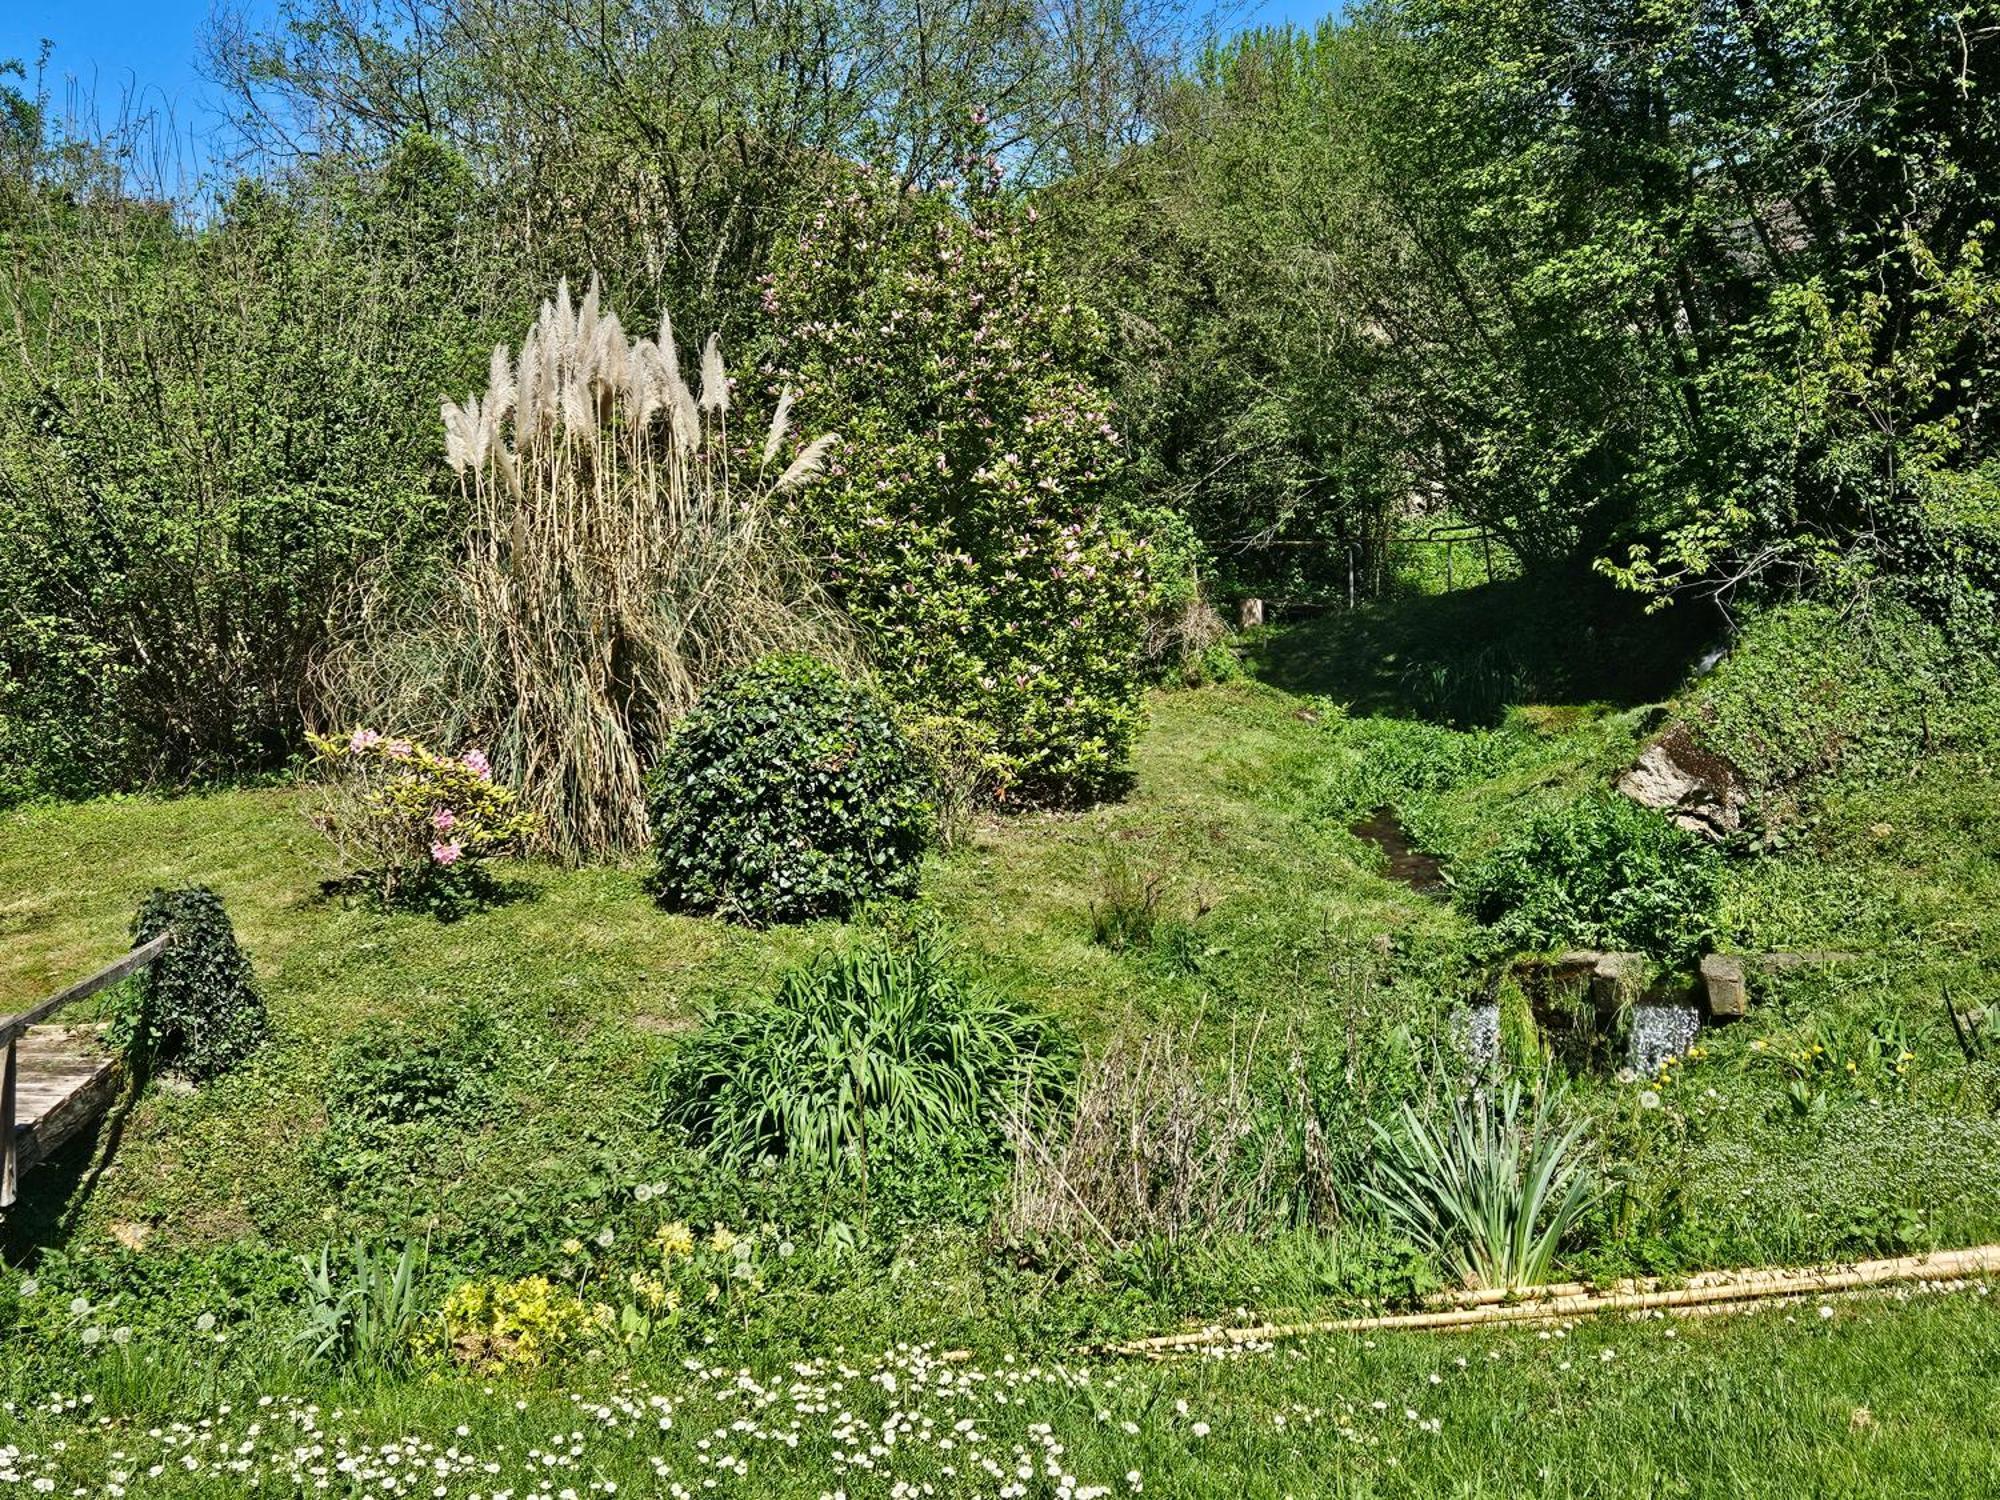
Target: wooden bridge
56 1080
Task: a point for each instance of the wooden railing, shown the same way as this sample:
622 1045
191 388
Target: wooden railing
10 1034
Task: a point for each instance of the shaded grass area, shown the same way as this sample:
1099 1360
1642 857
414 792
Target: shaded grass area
1467 656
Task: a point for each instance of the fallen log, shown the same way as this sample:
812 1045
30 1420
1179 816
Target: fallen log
1492 1306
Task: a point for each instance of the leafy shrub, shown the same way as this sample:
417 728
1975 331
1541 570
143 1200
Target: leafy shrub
199 1006
1491 1190
416 827
964 521
860 1048
967 771
366 1317
494 1324
162 610
1184 636
788 794
1599 873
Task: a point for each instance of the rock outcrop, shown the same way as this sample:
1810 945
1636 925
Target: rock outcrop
1697 789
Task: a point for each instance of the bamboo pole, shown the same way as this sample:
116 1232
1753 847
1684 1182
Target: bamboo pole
1711 1290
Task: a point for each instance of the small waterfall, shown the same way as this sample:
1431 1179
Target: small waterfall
1660 1032
1481 1026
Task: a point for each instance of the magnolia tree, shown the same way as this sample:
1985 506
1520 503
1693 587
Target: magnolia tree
963 520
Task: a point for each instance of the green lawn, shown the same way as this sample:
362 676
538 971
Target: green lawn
1873 1399
1276 926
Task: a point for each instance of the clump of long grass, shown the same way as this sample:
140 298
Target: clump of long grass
871 1049
1491 1189
620 555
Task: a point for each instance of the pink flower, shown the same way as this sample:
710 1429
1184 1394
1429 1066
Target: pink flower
475 761
396 749
446 854
443 819
362 739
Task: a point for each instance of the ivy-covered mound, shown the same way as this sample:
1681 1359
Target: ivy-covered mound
788 793
200 1009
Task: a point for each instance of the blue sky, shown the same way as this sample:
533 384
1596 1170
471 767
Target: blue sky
109 50
109 47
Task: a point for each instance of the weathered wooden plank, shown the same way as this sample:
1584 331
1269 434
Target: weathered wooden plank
64 1079
83 1105
104 978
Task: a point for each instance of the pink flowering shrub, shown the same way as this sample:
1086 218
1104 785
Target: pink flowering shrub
963 521
414 827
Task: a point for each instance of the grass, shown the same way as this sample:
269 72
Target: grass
558 1005
1877 1398
596 983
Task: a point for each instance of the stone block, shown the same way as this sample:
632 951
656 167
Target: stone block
1726 994
1617 980
1695 788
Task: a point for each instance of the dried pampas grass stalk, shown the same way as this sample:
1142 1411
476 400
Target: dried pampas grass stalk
610 572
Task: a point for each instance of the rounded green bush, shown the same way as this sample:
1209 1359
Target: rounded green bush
788 793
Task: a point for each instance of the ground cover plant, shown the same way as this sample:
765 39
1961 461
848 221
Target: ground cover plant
1602 872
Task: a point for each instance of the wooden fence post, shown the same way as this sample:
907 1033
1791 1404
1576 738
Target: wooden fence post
7 1167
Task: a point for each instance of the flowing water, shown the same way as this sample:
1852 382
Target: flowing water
1421 872
1482 1033
1659 1032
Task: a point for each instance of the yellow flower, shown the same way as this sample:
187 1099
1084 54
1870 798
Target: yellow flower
572 1247
722 1241
674 1239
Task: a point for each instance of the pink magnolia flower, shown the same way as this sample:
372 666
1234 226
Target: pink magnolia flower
446 854
475 761
443 819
